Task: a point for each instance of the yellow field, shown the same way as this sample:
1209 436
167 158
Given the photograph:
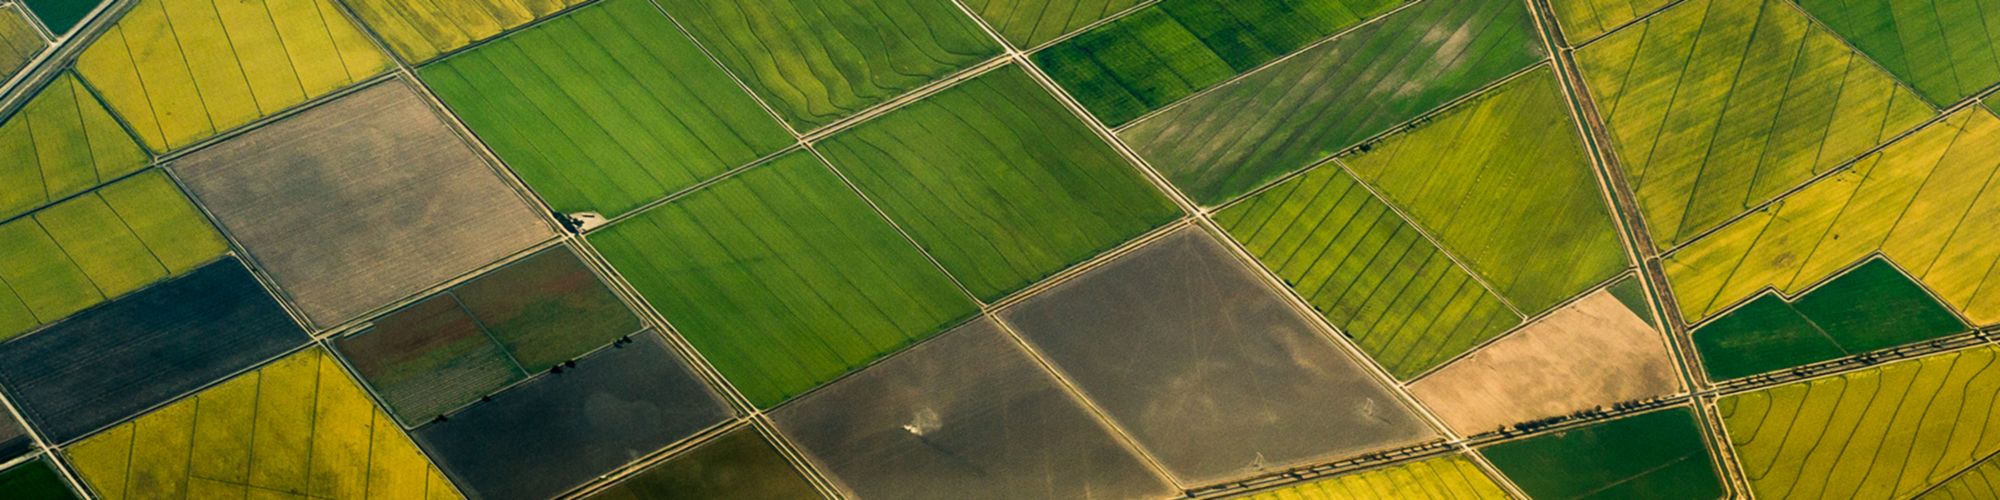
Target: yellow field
61 143
1451 477
419 30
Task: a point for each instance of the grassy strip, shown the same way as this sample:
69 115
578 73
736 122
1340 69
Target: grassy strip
1946 49
1653 455
419 30
1028 23
60 143
1447 477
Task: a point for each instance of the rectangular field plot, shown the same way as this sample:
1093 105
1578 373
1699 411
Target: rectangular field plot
946 419
1028 23
817 61
35 480
1653 455
555 432
19 41
1452 477
1504 183
739 464
1715 106
1171 49
1299 111
359 202
998 182
60 143
1583 20
470 341
1884 432
295 428
1873 306
419 30
60 15
98 246
1920 202
782 277
1207 367
1946 49
1400 298
180 71
118 359
611 86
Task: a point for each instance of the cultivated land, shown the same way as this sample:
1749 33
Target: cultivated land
1945 48
1716 106
1654 455
1593 353
554 433
359 202
944 419
19 41
612 86
1166 51
1503 182
1981 481
296 427
1884 432
998 182
60 15
1372 274
98 246
739 464
1207 367
180 71
817 61
782 277
419 30
1873 306
34 480
1297 112
1583 20
1446 478
62 142
1028 23
1919 202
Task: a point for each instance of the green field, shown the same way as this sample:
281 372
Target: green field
1653 455
1920 202
1888 431
1504 183
613 87
782 277
1029 23
1583 20
60 15
34 480
419 30
1373 275
998 182
95 247
817 61
1297 112
1715 106
60 143
1946 49
1871 307
1445 478
1166 51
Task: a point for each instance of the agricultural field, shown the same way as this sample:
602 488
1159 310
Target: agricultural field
1944 49
298 427
1871 307
61 15
1031 23
1180 317
1979 481
1297 112
998 182
1583 20
598 87
34 480
19 41
179 71
1716 106
419 30
1889 431
322 201
817 61
739 464
1169 50
973 387
1451 477
62 142
1653 455
557 431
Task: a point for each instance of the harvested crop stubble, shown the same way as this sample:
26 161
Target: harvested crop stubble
1715 106
1884 432
1028 23
1295 113
817 61
1947 49
998 182
419 30
1446 478
62 142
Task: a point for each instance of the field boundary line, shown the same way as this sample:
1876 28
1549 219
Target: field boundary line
1086 28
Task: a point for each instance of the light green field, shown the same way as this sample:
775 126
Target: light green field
1947 49
95 247
613 87
60 143
1400 298
1504 183
180 71
1028 23
817 61
782 277
998 182
1919 201
419 30
1583 20
1446 478
1884 432
1715 106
